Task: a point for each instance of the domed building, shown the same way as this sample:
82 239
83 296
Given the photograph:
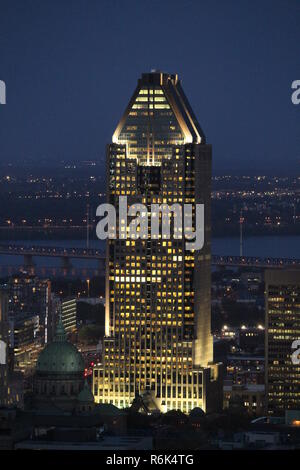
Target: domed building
62 406
59 376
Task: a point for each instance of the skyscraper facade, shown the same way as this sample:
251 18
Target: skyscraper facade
282 300
69 314
158 338
30 296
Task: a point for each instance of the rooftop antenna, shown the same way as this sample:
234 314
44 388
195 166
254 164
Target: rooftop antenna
88 226
241 232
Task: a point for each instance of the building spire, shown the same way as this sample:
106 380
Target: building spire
60 334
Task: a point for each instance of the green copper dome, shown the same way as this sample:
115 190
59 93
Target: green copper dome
60 356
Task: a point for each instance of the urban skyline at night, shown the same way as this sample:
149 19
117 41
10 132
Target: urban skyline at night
150 260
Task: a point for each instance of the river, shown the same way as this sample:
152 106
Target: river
260 246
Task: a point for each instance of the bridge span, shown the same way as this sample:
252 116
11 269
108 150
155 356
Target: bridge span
51 251
66 254
255 261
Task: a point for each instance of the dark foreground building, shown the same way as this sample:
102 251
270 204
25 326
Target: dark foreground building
158 335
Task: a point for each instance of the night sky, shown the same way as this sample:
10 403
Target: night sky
70 68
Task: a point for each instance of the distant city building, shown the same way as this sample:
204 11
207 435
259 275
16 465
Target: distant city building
24 341
244 382
158 320
229 332
29 295
55 311
247 338
252 280
69 314
243 369
249 396
16 388
251 339
92 300
282 293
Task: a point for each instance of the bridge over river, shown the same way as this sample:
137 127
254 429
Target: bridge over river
67 254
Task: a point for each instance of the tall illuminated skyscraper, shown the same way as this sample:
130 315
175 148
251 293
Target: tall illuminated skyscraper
158 325
282 329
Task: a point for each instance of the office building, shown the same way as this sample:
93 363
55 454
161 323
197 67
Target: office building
30 296
69 314
24 341
282 293
158 340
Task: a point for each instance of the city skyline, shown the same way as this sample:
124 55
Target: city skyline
149 228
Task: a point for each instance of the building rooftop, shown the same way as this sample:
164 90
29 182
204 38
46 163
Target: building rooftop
60 356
